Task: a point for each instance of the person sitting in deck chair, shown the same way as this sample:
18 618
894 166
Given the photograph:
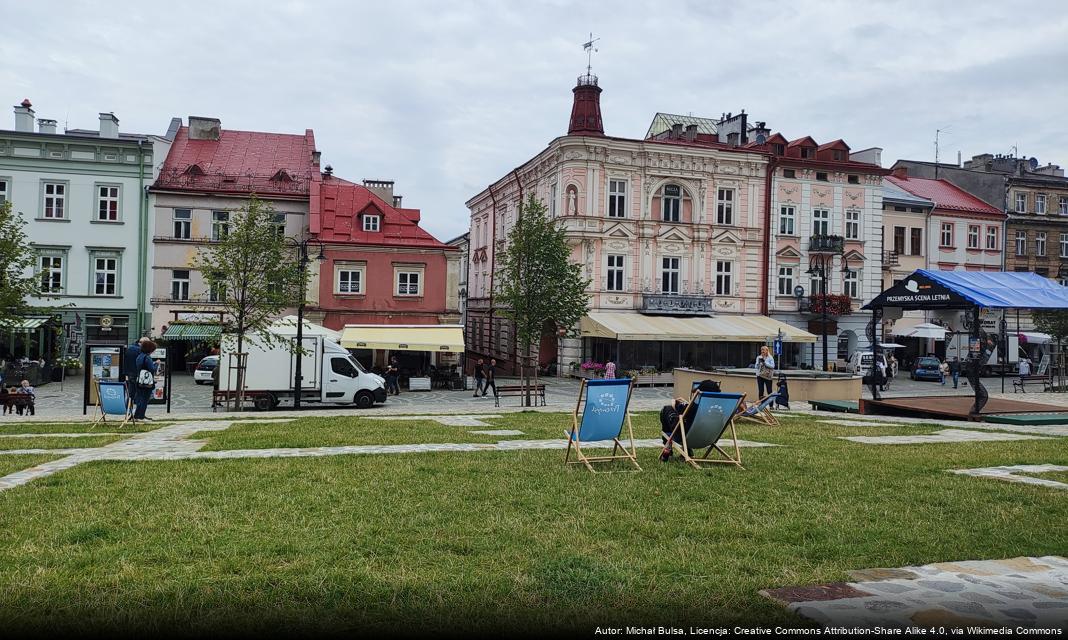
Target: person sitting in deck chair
669 417
713 414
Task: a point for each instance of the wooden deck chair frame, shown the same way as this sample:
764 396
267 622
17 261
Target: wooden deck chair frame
624 454
762 413
684 447
102 417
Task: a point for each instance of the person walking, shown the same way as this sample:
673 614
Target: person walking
610 370
765 371
893 366
491 378
128 373
954 370
943 371
480 377
142 384
392 376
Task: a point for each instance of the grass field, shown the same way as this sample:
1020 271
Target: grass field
496 540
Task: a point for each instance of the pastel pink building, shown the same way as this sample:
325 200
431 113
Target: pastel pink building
669 230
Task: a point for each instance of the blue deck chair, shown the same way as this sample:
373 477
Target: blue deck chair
113 401
715 412
602 405
761 411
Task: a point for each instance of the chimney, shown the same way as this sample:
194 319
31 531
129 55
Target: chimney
586 109
397 201
676 132
381 188
732 138
109 125
45 125
901 173
201 128
24 116
691 132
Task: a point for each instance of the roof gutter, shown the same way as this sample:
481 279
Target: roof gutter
766 241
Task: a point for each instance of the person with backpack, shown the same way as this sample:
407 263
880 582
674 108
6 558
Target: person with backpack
144 370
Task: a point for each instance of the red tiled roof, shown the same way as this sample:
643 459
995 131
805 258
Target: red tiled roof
944 194
335 217
801 141
837 144
241 162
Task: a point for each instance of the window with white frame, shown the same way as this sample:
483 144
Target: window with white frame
973 236
617 199
1040 203
1021 243
671 203
105 273
183 224
787 218
1040 243
1062 209
216 291
852 224
851 283
724 278
1064 245
350 279
947 234
371 223
669 275
278 221
815 285
179 284
220 225
1021 202
821 222
409 282
786 281
552 200
4 196
55 200
725 206
107 203
991 237
52 265
615 273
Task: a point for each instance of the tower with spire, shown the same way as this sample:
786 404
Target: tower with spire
586 109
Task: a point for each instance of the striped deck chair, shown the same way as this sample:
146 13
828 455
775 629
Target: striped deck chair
715 412
602 405
761 411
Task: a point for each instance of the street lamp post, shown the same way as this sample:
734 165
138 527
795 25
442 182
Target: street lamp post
298 377
818 268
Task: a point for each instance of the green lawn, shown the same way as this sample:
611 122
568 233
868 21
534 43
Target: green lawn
10 463
491 540
44 442
75 427
1056 476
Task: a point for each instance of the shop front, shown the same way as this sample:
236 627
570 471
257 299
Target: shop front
427 355
635 341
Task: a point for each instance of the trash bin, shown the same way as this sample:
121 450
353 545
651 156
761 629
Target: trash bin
57 374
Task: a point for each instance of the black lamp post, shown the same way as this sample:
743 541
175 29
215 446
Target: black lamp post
302 247
818 267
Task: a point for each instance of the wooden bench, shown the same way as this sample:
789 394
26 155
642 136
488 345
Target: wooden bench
1020 383
536 391
17 402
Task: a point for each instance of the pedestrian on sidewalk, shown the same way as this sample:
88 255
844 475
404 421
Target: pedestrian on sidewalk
392 377
610 370
943 370
954 370
144 379
480 377
491 378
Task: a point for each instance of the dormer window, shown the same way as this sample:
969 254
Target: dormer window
808 152
837 154
281 176
371 223
194 171
778 149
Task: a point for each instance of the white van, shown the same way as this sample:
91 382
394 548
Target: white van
860 362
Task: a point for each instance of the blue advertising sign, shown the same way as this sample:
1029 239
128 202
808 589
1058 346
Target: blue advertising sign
605 411
113 401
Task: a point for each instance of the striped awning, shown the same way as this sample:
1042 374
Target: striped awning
192 331
27 324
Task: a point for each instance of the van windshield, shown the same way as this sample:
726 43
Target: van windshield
356 363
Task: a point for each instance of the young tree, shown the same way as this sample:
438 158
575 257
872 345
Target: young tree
255 274
1054 323
18 277
540 286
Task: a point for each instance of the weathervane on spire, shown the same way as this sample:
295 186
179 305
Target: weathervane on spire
588 48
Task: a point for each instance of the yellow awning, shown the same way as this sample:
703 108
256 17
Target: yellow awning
430 337
635 326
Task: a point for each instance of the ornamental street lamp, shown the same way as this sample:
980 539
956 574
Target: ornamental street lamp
302 247
820 265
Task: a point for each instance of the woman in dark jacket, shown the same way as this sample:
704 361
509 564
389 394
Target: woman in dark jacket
144 362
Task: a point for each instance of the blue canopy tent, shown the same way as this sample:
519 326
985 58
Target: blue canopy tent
969 290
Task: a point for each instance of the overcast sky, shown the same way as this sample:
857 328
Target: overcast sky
445 96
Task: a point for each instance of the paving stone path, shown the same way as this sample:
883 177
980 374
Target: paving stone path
945 435
498 432
171 443
457 420
1008 474
1017 592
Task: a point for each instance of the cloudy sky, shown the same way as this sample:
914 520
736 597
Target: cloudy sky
445 96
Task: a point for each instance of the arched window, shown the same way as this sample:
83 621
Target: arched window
671 203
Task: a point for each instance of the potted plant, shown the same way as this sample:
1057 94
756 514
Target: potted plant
72 365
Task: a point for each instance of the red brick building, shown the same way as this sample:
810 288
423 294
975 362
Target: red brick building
380 266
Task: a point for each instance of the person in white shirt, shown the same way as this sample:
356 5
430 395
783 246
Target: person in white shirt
765 371
1025 367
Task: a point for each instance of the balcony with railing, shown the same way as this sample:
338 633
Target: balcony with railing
200 300
891 259
821 243
676 305
835 304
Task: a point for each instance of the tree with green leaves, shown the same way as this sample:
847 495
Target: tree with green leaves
18 278
1054 323
541 289
254 274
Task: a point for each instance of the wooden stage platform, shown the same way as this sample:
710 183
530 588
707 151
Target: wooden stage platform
952 407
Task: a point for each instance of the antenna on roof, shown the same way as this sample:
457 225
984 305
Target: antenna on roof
938 133
588 48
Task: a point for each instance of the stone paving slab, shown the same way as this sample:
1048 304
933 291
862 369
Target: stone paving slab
451 420
1008 474
864 423
498 432
1015 592
943 436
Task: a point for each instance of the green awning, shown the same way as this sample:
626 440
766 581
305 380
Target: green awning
192 332
26 324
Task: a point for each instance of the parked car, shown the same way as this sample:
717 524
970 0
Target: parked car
926 368
202 374
860 362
